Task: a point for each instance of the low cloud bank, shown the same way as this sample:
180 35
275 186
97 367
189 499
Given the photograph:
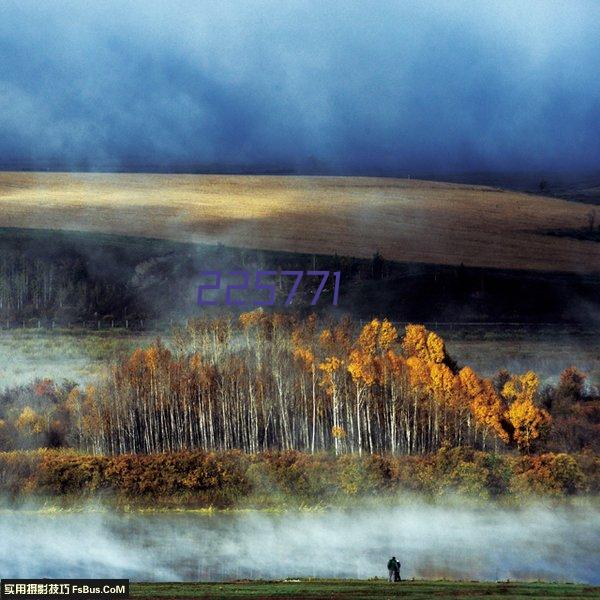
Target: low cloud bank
539 542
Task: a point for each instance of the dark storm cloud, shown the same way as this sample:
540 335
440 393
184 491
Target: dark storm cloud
354 86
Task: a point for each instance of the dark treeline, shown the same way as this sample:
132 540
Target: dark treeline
268 381
51 278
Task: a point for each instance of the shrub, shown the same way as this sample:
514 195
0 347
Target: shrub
18 471
548 474
223 479
68 473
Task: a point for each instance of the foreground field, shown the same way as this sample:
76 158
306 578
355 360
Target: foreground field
358 590
410 220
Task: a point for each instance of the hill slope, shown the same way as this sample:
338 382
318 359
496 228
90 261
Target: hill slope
406 220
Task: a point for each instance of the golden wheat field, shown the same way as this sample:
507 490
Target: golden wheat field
406 220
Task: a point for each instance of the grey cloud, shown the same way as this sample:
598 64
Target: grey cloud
354 86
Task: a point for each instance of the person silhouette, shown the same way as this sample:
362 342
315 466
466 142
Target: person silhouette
397 571
393 569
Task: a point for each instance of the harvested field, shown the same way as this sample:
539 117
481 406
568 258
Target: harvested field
406 220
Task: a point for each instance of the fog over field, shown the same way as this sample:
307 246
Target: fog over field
29 354
431 541
26 355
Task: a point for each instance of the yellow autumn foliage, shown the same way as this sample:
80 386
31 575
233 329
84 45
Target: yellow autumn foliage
329 366
521 387
529 421
486 406
436 348
29 421
305 357
251 318
424 344
338 432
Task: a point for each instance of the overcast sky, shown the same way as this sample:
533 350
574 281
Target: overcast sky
351 86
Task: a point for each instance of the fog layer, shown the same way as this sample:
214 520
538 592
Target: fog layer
539 542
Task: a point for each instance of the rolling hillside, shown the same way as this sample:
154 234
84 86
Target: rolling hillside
406 220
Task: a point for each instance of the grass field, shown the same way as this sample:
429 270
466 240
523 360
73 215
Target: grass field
79 355
406 220
548 350
359 590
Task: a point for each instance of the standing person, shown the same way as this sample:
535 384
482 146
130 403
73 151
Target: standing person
397 572
392 569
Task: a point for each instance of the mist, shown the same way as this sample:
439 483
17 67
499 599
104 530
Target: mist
338 87
557 543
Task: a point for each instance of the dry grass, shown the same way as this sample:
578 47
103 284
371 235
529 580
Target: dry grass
406 220
357 589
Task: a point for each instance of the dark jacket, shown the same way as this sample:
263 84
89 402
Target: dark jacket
393 564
